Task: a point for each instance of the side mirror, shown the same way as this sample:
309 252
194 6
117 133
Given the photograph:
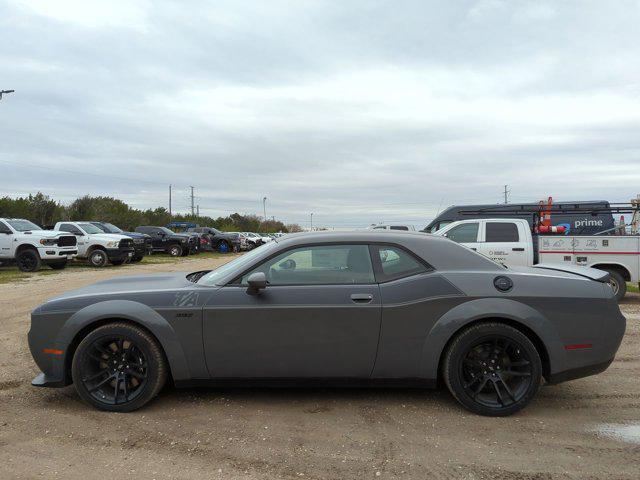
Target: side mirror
257 281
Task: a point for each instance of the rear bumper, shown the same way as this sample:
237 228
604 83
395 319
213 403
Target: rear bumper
579 372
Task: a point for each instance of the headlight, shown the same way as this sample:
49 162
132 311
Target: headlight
49 241
112 244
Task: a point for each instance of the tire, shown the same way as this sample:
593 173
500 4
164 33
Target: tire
136 259
58 265
175 250
492 369
618 283
224 247
118 367
28 260
98 258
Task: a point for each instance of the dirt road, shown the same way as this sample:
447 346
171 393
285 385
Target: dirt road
318 433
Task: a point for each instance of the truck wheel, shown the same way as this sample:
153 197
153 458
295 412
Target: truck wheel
618 284
136 259
98 258
175 250
28 261
58 265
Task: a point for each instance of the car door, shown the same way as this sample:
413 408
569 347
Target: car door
466 233
501 242
319 317
6 239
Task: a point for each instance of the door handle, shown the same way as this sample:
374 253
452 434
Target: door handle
518 249
474 249
361 297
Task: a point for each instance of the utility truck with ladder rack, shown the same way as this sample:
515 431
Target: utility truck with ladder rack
513 242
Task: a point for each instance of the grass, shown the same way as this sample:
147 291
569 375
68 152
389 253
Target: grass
633 287
12 274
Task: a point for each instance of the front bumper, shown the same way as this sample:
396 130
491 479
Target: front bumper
118 254
57 253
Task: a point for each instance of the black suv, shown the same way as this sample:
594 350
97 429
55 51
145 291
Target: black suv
175 244
221 241
141 242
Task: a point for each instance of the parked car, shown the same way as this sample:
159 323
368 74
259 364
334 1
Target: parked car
97 247
175 244
27 245
362 307
405 228
256 240
510 242
141 242
220 241
244 242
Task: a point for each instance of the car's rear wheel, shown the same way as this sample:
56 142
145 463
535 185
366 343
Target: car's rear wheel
618 284
98 258
492 369
137 259
175 250
118 367
28 260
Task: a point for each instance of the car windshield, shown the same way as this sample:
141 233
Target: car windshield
213 277
166 230
111 228
89 227
23 225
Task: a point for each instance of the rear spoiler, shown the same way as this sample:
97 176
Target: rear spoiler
586 272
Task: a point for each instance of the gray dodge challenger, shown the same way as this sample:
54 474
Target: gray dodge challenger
357 308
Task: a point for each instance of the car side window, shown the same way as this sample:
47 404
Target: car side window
399 227
319 265
502 232
4 228
67 227
464 233
396 263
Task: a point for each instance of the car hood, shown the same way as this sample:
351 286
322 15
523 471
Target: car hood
108 237
130 284
46 233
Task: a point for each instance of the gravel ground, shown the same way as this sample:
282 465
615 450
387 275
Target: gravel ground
574 430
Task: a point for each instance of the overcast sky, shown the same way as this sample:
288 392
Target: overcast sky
357 111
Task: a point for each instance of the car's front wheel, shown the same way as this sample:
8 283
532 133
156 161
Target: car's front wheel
98 258
175 250
492 369
118 367
29 260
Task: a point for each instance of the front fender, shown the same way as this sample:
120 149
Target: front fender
487 308
134 312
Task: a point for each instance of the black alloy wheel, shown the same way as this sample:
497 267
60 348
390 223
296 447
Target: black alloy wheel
118 367
28 261
493 369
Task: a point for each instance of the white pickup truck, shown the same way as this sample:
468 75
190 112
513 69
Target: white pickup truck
510 242
97 247
27 245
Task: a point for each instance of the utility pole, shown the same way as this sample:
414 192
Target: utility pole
264 208
192 205
312 221
197 210
506 194
169 201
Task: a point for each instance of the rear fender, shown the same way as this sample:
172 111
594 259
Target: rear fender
487 308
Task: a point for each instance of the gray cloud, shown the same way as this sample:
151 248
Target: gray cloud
358 112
